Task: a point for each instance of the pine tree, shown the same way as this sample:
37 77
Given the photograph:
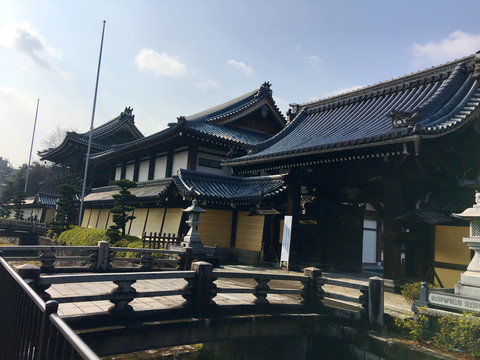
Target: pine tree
66 209
122 208
18 202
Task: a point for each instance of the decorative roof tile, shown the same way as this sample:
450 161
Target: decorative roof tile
228 189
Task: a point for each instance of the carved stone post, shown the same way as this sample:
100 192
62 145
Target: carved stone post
312 293
261 291
103 256
48 259
375 301
122 295
147 261
204 288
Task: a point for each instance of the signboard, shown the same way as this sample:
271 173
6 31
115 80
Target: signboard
287 232
453 302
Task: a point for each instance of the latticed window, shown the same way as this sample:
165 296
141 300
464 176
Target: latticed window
475 227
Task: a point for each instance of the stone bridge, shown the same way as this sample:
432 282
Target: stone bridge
151 309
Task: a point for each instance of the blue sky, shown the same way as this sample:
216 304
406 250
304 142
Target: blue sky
171 58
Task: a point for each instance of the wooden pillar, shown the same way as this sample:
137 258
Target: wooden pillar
136 170
192 157
124 170
391 244
168 171
151 166
233 234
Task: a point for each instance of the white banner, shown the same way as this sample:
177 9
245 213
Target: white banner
287 232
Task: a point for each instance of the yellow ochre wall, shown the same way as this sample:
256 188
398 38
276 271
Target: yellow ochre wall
154 220
216 228
449 248
49 215
215 225
172 220
249 232
86 217
135 227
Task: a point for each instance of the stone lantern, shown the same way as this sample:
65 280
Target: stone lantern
470 280
192 239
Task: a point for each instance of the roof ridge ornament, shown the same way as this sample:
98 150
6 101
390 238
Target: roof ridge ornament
264 89
128 111
476 68
401 118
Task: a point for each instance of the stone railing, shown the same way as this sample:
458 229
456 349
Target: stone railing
201 289
100 258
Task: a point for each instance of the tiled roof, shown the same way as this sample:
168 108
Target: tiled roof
228 189
207 124
425 104
125 119
42 199
47 199
229 133
144 191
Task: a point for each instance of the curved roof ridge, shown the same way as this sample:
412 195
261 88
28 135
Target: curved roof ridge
394 84
232 106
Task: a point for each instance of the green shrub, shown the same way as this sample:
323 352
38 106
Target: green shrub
416 329
411 291
460 332
82 237
4 242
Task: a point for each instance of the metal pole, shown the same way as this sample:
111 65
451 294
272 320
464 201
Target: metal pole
31 147
91 130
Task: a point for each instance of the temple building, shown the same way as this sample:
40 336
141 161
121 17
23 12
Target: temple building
371 176
68 158
183 162
395 159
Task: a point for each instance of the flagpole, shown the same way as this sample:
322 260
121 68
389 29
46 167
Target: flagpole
91 130
31 147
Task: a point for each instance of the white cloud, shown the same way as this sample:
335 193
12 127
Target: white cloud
207 85
15 36
313 60
160 64
458 44
241 66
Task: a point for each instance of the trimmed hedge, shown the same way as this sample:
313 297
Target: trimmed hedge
90 237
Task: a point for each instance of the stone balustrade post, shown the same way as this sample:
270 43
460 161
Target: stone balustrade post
188 258
147 260
204 289
122 295
375 301
103 256
48 259
261 291
312 293
30 273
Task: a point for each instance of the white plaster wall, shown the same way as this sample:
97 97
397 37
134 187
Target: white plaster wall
118 172
143 170
129 171
160 167
180 161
